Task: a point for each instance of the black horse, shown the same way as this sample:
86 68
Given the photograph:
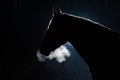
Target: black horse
96 43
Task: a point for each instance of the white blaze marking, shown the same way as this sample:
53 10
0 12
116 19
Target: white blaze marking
60 54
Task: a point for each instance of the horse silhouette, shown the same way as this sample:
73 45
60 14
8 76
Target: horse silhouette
96 43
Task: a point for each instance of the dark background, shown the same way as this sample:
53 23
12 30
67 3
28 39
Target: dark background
105 12
24 22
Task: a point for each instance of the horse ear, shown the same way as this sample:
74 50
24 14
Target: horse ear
57 11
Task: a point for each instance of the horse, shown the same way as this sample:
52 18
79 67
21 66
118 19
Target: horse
96 43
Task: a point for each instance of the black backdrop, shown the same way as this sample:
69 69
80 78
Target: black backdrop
24 22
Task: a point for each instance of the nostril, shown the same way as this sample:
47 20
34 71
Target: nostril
40 57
